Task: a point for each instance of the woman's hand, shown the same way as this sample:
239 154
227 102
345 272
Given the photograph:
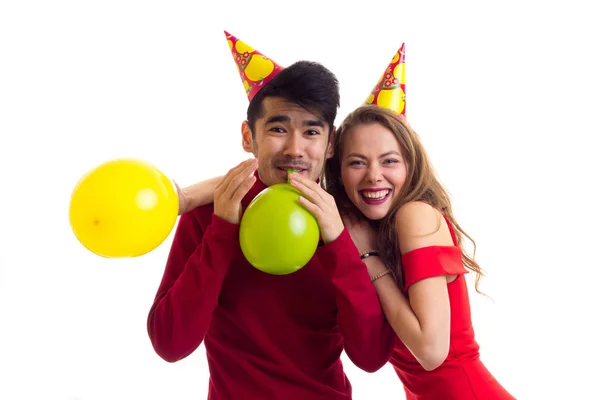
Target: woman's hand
362 233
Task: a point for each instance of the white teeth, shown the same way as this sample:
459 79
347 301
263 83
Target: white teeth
376 195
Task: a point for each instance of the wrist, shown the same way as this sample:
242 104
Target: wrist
376 268
233 217
183 201
369 253
331 236
374 263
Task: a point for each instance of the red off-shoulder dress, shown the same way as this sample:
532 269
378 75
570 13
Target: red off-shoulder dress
462 376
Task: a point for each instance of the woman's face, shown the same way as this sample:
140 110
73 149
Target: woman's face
372 168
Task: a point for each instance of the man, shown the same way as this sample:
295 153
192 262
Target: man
270 336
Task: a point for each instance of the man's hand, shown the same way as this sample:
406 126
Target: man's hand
320 204
230 191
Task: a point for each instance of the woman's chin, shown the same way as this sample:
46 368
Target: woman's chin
373 213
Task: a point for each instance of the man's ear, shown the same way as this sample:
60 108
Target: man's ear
247 137
330 149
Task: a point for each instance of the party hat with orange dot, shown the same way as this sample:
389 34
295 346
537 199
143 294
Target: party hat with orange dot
390 91
255 68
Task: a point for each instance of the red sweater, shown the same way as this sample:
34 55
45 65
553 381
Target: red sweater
267 336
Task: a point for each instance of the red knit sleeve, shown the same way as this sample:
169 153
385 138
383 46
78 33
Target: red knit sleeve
427 262
188 293
368 337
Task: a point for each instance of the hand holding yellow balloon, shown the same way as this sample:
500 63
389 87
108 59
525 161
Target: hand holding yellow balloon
123 208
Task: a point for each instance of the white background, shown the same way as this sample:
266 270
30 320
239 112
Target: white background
505 97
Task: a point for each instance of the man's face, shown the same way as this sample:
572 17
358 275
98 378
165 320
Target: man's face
287 137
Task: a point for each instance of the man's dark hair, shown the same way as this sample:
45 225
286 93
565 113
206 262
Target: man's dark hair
306 83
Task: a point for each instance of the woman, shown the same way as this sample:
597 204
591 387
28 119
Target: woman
385 187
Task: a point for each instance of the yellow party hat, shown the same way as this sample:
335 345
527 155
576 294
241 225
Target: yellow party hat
255 68
390 91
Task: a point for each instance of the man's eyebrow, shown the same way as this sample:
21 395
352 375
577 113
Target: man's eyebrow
314 123
278 118
285 118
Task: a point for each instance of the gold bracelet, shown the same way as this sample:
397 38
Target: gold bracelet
368 253
381 275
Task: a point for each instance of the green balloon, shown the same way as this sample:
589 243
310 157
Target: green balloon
277 235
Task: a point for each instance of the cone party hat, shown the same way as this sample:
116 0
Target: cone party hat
390 91
255 68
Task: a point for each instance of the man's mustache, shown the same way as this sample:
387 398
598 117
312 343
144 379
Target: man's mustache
290 162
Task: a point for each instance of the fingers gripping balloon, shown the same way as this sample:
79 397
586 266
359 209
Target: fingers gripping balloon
123 208
277 234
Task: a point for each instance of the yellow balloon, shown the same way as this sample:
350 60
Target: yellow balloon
123 208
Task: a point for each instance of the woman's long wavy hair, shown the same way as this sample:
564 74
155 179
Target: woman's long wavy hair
421 185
